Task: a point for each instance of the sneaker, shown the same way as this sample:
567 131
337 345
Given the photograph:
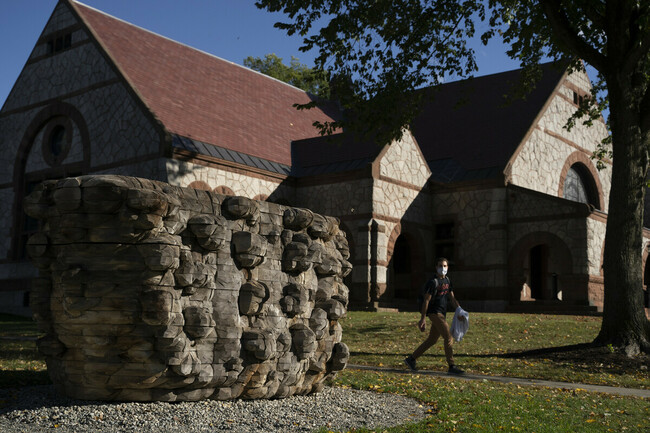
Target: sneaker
455 370
410 363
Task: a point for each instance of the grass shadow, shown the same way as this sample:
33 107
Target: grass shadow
590 356
19 378
576 357
545 351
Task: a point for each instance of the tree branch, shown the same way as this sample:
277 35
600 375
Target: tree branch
640 46
594 16
569 35
637 53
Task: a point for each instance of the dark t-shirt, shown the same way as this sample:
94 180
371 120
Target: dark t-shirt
439 288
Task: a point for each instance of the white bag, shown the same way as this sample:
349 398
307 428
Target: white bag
459 327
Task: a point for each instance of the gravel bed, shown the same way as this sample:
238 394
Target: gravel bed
40 409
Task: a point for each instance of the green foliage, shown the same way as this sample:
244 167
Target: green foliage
310 80
561 31
380 52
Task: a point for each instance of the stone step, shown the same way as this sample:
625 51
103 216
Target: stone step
530 307
551 307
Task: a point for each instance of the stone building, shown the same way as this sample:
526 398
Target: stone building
512 198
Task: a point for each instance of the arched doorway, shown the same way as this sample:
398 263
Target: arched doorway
399 269
543 281
538 268
537 265
405 270
199 184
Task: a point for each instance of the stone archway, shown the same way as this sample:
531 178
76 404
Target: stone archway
56 124
539 268
406 264
400 272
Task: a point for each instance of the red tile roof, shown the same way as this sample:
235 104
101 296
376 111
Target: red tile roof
203 97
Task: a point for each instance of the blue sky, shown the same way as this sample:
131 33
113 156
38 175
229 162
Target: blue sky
230 29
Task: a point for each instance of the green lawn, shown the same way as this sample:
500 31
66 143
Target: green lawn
20 362
532 346
517 345
466 406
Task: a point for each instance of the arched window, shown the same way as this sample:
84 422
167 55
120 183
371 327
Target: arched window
56 140
199 184
579 186
222 189
52 131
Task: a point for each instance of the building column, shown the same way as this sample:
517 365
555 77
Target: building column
369 272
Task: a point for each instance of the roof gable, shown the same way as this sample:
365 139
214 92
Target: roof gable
470 131
467 131
403 161
203 97
331 154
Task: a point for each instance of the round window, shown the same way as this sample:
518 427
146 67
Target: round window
57 140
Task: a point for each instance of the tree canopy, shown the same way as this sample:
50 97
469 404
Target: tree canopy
297 74
380 52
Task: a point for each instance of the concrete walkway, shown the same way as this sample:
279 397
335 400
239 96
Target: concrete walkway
642 393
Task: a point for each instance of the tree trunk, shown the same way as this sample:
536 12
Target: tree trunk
624 322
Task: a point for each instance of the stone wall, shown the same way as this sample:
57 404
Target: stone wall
349 199
149 291
539 163
403 160
183 173
596 229
105 124
470 212
531 212
50 76
401 206
478 262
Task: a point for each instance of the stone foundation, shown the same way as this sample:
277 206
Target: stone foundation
153 292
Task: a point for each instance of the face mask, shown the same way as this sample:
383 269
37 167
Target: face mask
442 271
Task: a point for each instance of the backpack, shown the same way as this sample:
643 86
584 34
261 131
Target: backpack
423 291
